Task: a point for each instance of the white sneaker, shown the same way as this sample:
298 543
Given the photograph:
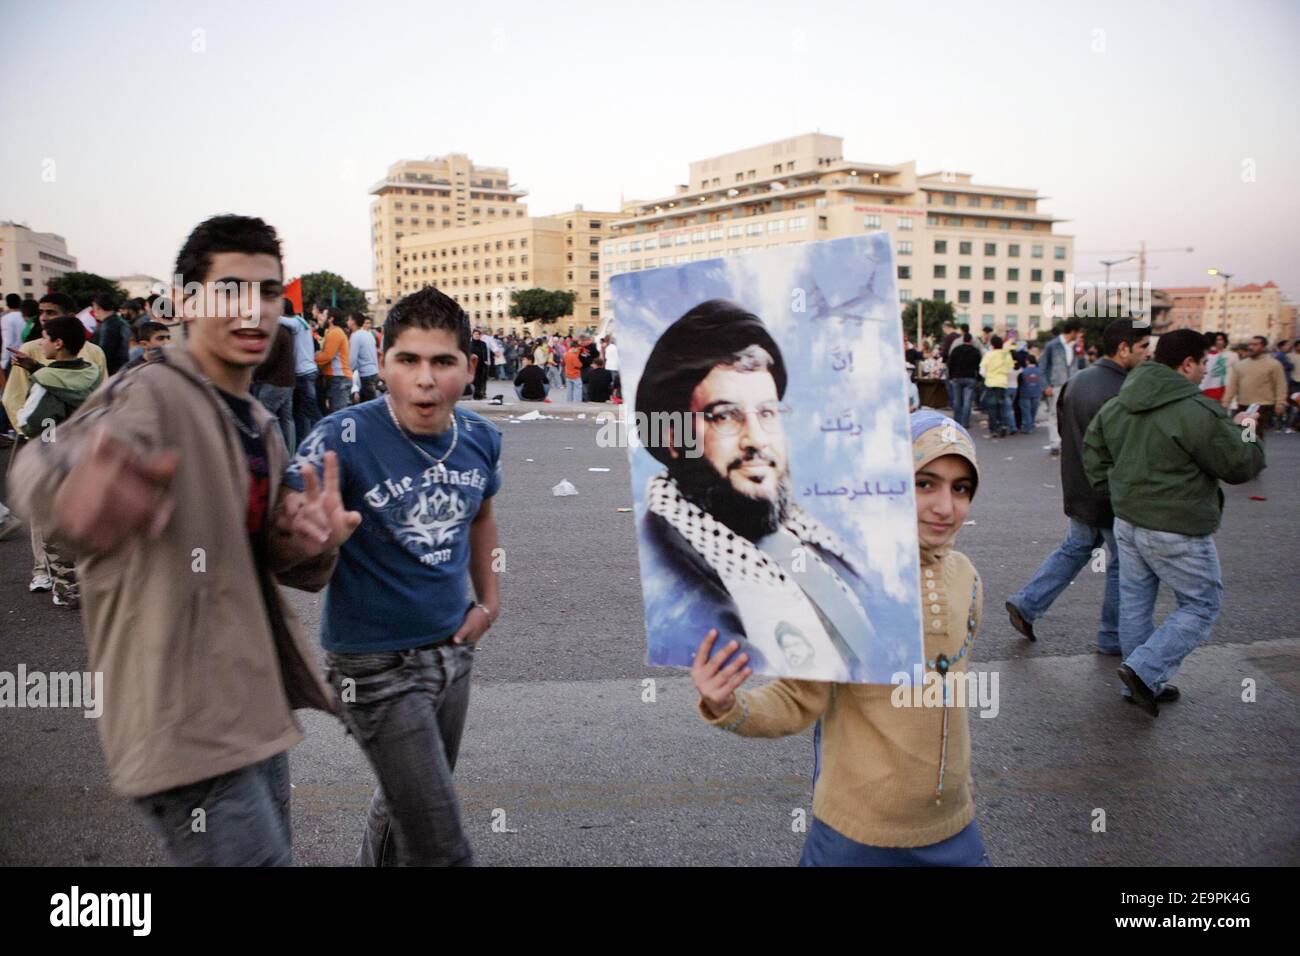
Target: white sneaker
41 582
63 602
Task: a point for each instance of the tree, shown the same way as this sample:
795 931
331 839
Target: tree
933 316
326 288
541 305
84 286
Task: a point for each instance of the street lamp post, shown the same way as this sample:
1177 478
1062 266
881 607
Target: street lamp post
1226 277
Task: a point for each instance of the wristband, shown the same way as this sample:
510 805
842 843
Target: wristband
484 608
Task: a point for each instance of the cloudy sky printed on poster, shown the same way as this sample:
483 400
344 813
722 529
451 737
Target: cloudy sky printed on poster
832 308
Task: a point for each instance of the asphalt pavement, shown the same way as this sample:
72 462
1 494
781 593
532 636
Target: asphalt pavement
578 753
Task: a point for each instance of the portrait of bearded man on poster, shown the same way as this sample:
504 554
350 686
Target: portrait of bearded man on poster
723 543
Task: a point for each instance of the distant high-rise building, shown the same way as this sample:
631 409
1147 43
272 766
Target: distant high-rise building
437 194
989 250
29 260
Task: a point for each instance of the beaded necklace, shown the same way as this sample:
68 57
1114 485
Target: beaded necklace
942 664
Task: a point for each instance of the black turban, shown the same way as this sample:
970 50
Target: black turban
711 334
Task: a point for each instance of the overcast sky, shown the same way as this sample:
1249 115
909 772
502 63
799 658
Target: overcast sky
1170 122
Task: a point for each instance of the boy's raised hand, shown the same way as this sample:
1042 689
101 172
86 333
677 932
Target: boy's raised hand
717 684
313 521
113 494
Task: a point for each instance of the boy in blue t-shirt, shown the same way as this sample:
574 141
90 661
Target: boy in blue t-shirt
400 627
1031 391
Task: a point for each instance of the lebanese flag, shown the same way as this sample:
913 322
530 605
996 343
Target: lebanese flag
293 292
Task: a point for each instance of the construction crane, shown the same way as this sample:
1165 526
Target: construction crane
1140 253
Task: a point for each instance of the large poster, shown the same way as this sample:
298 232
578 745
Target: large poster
766 407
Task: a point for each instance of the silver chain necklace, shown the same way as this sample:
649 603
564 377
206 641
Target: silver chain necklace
455 433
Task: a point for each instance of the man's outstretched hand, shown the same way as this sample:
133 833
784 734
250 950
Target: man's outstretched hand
313 521
114 494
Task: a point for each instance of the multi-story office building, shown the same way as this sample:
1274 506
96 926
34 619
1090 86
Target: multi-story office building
29 260
1249 310
480 265
437 194
990 250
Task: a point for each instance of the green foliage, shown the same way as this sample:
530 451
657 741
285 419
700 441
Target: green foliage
933 315
543 306
83 286
327 288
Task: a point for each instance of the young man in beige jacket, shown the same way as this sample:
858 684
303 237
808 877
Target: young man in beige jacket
166 484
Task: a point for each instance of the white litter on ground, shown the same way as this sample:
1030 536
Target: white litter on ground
530 416
598 469
564 488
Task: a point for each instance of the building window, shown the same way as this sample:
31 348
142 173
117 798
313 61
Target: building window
990 248
798 224
989 273
1013 298
963 272
963 296
1058 252
1035 275
1035 298
683 238
905 272
775 226
697 237
949 200
1013 275
735 232
1058 275
988 296
963 248
1022 204
940 246
940 295
904 295
904 248
1013 250
973 201
871 222
634 246
932 220
940 272
1036 252
997 204
905 223
715 234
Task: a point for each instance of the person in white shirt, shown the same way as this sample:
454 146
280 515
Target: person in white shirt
611 364
11 328
365 357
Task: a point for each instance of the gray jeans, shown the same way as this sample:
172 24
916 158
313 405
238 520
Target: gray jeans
240 818
407 711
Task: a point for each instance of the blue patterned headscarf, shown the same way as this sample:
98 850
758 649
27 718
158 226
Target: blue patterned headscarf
935 435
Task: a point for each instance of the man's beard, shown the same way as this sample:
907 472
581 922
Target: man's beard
752 518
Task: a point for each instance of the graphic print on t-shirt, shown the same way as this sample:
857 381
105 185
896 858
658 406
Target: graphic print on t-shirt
426 512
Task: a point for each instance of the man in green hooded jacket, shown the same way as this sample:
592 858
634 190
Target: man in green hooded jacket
1159 449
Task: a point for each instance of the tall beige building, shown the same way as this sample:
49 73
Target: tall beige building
1250 310
29 260
437 194
987 249
480 265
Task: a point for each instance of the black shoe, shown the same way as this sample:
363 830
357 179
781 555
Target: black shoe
1142 695
1103 651
1168 694
1019 622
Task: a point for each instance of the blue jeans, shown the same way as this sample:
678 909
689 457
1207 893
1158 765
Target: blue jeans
306 409
963 392
1189 566
573 389
406 710
338 392
827 847
998 406
1063 566
245 818
278 400
1028 411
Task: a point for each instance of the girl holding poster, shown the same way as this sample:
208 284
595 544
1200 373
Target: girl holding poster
892 783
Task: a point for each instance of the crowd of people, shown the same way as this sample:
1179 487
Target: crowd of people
1010 380
188 482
